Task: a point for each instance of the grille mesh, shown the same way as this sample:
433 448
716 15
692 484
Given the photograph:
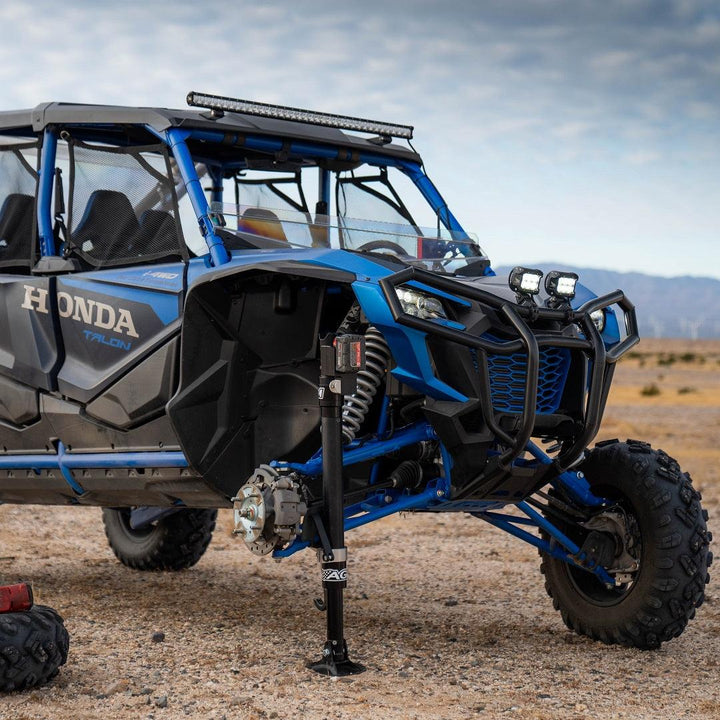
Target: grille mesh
507 380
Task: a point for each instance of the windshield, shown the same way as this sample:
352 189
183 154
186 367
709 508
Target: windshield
305 196
436 248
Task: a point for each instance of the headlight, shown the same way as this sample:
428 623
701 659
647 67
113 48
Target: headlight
418 304
598 317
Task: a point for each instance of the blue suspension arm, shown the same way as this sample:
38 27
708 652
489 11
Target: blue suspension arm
387 502
368 451
573 482
561 546
373 509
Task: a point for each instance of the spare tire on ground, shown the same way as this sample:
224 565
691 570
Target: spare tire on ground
33 646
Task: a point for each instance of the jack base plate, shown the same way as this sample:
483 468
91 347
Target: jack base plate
336 663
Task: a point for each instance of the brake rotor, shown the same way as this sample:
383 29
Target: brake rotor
268 510
251 505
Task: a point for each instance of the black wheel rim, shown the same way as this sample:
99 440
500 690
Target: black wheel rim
139 535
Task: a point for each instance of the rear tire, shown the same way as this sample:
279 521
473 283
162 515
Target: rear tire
33 646
671 545
174 542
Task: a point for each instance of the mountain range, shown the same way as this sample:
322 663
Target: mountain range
682 307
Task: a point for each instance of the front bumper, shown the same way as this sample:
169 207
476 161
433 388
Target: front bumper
524 333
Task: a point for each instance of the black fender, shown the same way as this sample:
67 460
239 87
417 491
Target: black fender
248 365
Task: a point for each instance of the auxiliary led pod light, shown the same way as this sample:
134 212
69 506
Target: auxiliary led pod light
525 281
219 104
561 284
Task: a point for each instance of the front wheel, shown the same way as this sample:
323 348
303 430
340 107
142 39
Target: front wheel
174 542
661 535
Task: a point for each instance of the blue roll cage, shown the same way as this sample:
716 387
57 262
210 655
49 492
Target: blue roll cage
437 496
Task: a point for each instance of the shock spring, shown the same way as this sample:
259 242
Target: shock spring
357 405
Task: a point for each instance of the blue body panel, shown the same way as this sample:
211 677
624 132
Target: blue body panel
133 284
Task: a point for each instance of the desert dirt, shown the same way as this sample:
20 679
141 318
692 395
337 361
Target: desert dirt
449 615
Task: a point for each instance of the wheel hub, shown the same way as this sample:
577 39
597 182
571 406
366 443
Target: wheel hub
616 522
268 510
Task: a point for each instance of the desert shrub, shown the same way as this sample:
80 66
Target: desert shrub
667 359
686 390
688 357
650 390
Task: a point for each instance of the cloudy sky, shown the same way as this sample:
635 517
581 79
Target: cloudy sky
582 131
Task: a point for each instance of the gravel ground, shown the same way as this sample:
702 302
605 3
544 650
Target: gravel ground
449 615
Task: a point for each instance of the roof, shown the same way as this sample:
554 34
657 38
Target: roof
161 119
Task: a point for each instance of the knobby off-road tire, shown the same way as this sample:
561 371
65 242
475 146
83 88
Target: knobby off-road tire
174 542
673 551
33 646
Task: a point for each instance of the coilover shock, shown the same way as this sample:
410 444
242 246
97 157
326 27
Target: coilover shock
356 406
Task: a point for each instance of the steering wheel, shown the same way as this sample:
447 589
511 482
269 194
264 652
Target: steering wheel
389 245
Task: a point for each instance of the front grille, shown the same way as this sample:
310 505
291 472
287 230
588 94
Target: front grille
507 380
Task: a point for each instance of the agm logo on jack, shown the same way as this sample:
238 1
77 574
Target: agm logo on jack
80 309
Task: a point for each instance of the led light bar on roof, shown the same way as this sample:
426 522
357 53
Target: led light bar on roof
342 122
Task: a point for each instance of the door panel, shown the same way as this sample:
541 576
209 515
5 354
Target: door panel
28 323
111 319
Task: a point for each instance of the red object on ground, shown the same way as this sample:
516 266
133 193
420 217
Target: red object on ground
15 598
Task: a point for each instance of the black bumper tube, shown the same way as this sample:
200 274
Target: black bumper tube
519 317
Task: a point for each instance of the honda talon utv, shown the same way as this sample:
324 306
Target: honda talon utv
239 305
